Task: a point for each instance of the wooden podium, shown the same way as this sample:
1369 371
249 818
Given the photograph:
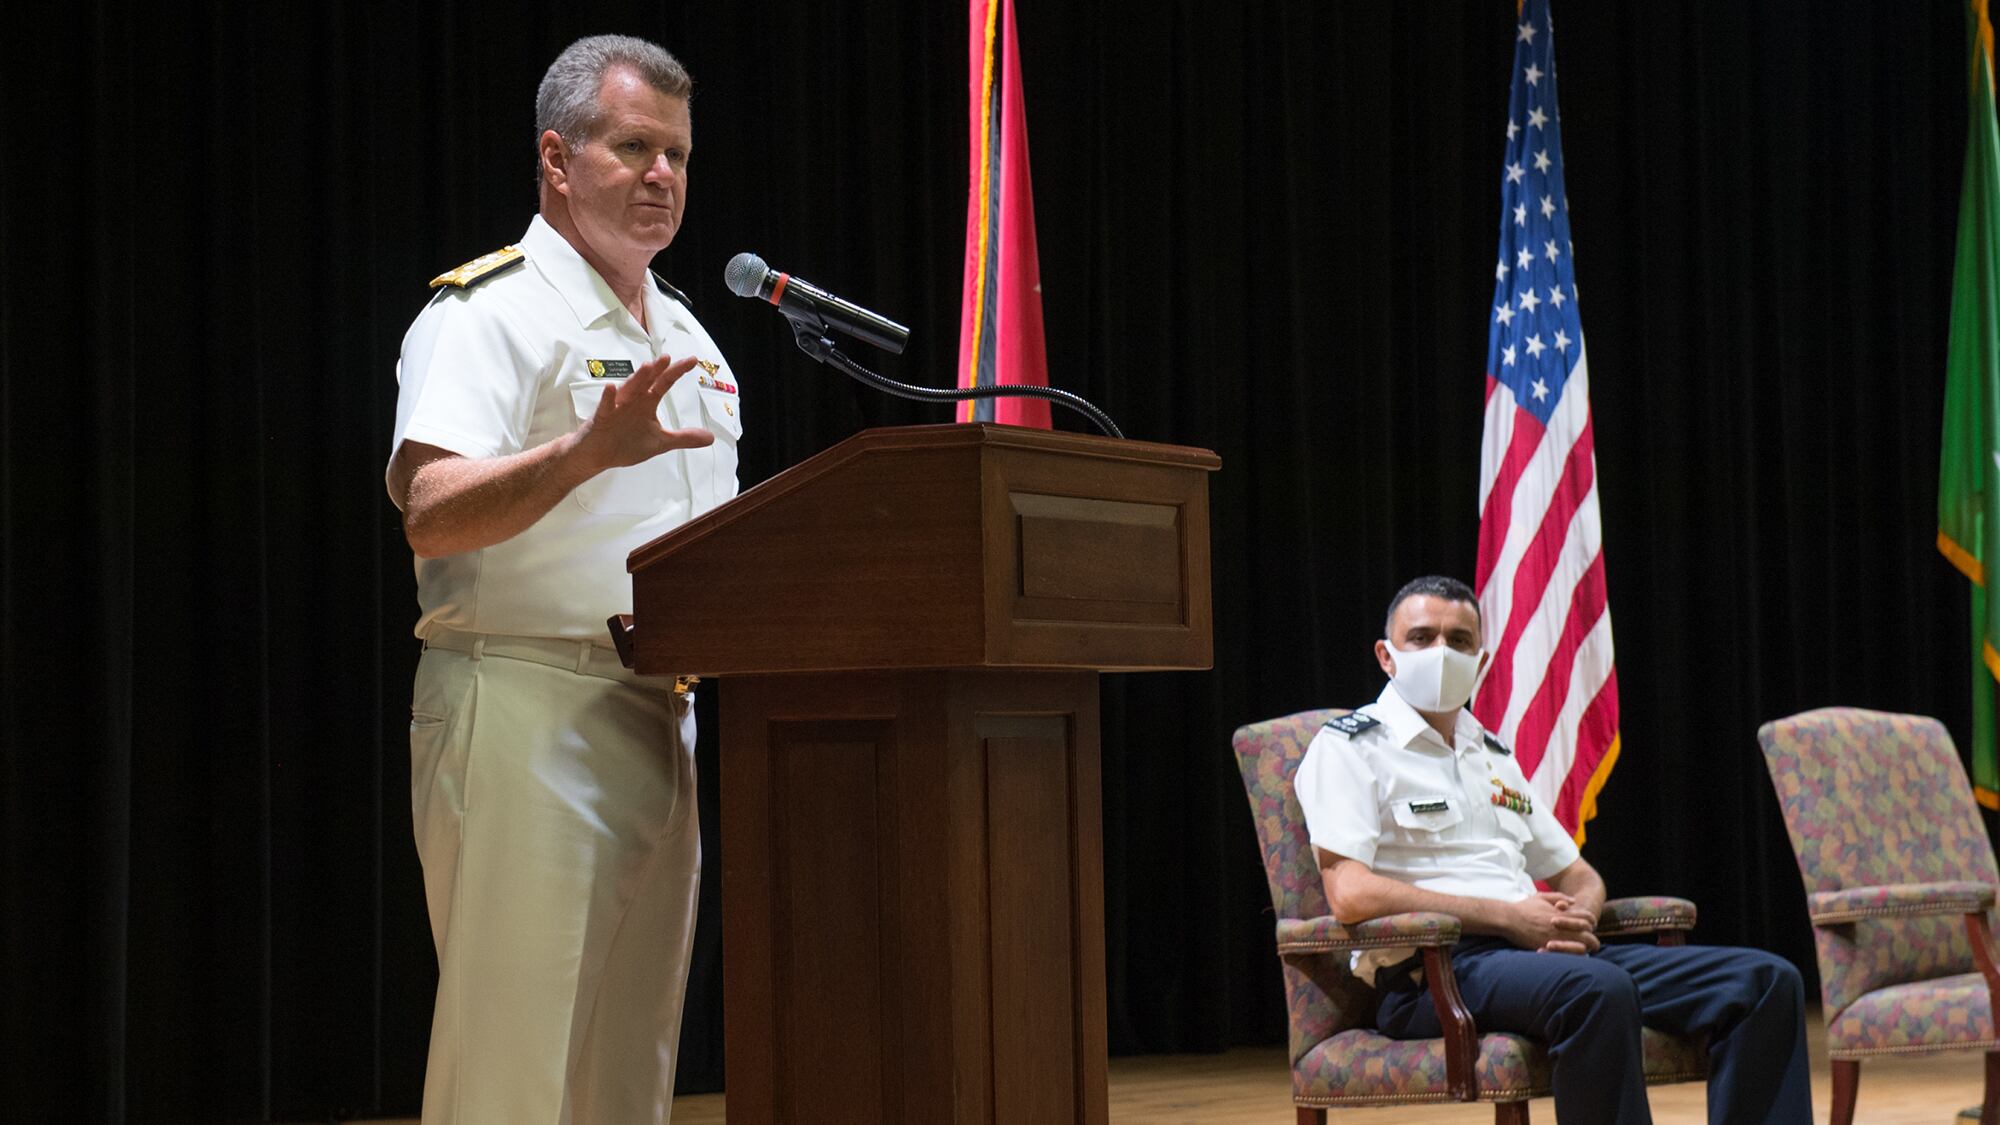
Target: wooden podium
910 628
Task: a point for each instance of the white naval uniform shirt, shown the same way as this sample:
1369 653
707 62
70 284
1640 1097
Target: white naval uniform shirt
506 365
1396 798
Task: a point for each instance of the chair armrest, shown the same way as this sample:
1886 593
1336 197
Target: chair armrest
1434 934
1324 935
1648 915
1897 900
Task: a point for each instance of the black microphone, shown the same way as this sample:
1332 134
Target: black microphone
748 276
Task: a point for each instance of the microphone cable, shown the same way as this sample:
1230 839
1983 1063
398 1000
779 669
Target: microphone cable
812 340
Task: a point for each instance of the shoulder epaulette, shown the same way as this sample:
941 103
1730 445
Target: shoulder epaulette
672 292
480 268
1353 723
1497 746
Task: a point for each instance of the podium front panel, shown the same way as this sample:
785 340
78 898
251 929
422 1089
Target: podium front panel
913 898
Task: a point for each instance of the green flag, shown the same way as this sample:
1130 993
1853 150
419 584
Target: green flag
1969 469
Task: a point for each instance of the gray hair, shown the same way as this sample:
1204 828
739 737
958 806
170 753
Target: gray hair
567 99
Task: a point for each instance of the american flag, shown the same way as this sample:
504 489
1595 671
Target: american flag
1551 691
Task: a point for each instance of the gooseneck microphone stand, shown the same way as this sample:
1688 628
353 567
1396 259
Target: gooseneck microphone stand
810 332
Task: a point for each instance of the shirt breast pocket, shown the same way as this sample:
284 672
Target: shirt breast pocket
1515 826
721 414
634 490
1427 818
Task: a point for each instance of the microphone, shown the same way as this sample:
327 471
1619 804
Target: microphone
748 276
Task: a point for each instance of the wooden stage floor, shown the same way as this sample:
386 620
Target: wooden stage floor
1250 1085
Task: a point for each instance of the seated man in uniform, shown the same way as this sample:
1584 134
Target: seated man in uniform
1411 805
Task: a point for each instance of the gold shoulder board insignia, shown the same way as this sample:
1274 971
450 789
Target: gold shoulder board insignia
480 268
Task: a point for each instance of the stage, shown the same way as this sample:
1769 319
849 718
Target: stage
1248 1086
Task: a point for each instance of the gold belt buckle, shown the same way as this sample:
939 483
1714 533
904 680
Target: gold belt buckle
685 685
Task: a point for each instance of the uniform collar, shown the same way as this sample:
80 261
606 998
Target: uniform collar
582 288
661 309
1406 726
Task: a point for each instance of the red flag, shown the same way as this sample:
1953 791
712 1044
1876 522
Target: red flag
1000 329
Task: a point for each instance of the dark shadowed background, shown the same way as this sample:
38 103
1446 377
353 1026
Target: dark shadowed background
1266 228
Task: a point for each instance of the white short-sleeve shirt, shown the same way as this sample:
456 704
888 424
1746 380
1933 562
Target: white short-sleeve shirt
1445 818
519 359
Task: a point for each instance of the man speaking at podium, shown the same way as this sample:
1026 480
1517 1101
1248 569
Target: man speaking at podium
559 406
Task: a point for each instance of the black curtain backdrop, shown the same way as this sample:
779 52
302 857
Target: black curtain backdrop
1267 228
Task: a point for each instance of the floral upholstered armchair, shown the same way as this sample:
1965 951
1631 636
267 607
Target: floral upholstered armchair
1899 879
1338 1059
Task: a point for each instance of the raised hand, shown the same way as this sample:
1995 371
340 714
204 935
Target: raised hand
626 430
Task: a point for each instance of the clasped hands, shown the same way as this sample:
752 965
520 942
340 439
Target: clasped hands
626 430
1552 922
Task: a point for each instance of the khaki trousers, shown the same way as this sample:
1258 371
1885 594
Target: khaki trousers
555 818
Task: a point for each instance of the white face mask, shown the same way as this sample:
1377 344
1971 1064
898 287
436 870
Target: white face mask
1438 678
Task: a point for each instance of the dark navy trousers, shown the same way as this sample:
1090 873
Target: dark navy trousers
1588 1011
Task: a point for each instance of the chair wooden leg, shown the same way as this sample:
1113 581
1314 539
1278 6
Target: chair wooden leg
1989 1110
1846 1078
1311 1115
1510 1113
